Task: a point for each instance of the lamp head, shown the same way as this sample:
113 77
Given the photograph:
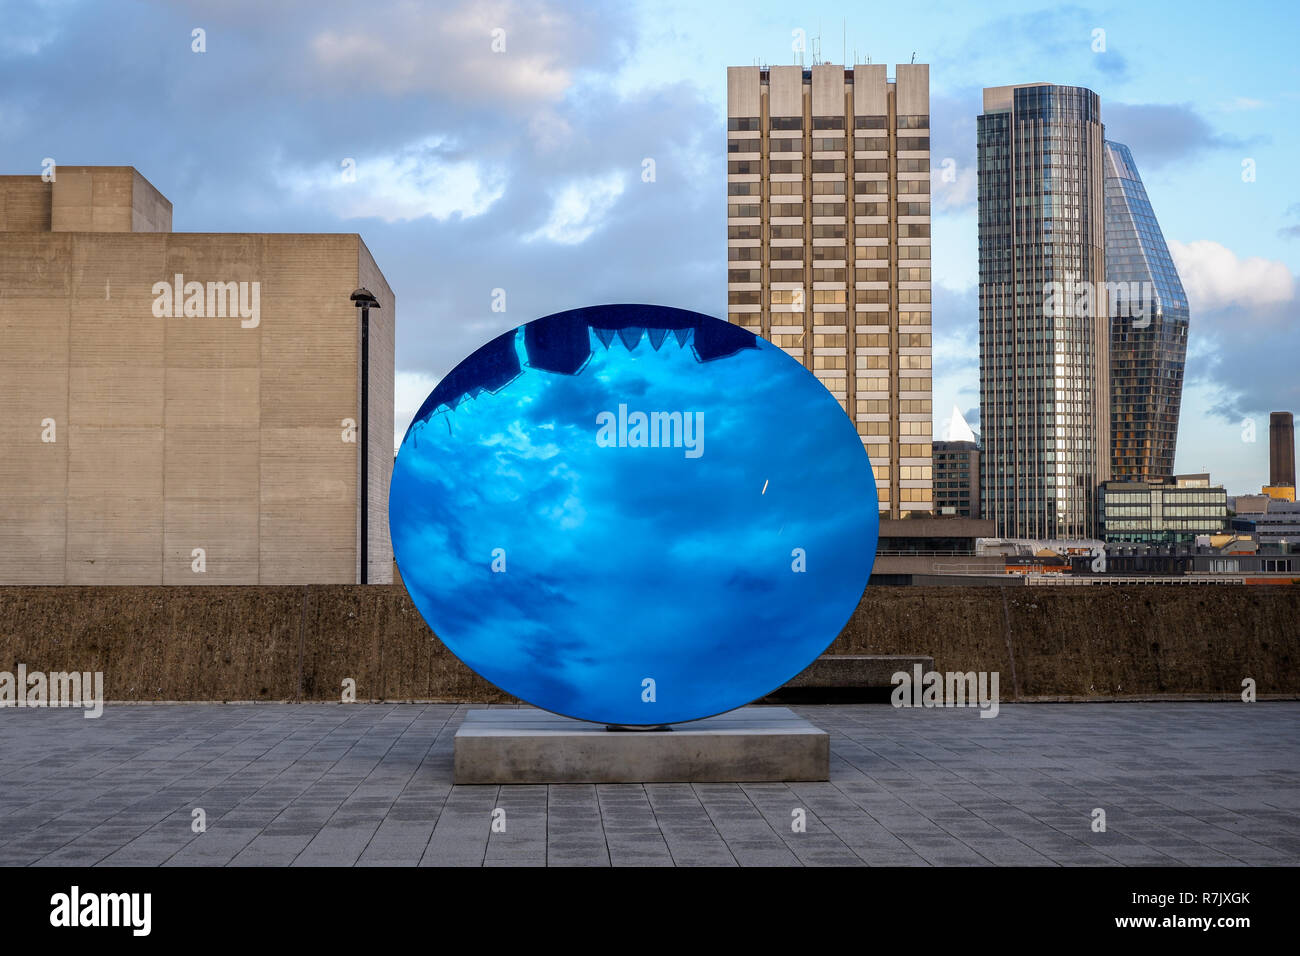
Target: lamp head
364 299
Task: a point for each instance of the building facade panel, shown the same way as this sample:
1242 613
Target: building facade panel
1174 511
1149 320
957 478
829 247
1044 364
206 438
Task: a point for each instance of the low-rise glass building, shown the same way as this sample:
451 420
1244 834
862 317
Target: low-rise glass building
1173 512
1274 522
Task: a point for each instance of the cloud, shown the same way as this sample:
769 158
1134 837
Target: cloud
1065 37
1291 232
956 328
1162 133
954 188
1243 337
1242 103
30 28
955 352
410 389
1214 277
952 141
504 50
579 208
510 54
1245 369
1112 63
415 180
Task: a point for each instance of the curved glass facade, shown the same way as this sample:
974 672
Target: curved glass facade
1044 366
1148 340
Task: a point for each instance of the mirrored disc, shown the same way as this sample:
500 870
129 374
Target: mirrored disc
633 514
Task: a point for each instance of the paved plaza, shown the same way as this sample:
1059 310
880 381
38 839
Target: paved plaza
371 784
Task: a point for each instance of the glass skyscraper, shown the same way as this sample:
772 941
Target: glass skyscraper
1148 340
1044 362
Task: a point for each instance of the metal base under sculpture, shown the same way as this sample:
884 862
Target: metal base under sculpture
619 728
530 746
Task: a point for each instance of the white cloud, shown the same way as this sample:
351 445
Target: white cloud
415 181
30 28
1210 441
1214 277
954 187
410 389
579 208
549 130
428 48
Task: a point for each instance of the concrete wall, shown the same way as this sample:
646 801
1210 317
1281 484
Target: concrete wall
288 643
24 204
83 199
380 453
176 433
106 199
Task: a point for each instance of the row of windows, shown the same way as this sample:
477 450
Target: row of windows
831 318
1171 497
820 230
776 209
914 494
832 231
1138 511
754 167
906 383
861 253
828 296
1201 524
904 121
834 189
862 340
862 230
914 274
883 428
863 144
796 296
906 406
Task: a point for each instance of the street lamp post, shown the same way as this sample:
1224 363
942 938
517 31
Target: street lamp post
364 300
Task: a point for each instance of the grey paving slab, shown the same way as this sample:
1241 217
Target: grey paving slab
372 784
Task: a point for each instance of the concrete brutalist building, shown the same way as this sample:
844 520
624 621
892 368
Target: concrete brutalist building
182 408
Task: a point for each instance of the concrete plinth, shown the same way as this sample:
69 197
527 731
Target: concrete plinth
752 744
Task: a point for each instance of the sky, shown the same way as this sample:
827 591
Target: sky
567 563
514 176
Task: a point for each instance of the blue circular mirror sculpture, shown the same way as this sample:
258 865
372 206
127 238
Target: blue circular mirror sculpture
633 514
